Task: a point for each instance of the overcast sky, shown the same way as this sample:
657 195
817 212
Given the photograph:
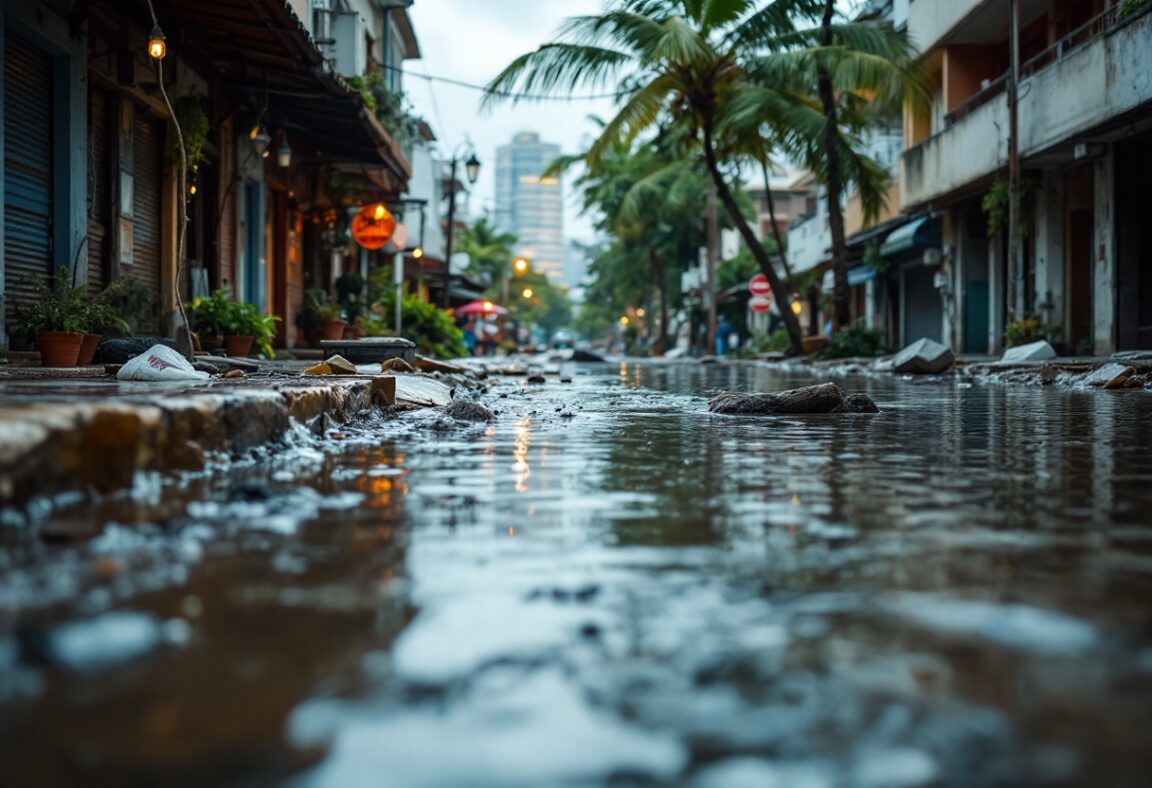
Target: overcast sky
472 41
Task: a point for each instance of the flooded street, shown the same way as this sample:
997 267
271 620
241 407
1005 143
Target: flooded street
609 586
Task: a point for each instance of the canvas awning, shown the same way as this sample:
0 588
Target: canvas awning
262 52
923 231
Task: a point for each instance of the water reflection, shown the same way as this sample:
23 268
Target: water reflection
952 592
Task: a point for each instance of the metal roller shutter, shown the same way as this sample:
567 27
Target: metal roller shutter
99 189
27 165
147 164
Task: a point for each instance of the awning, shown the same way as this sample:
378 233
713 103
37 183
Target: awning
920 232
860 274
857 276
262 52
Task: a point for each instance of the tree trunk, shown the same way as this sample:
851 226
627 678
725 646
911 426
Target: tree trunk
657 264
834 184
791 324
775 229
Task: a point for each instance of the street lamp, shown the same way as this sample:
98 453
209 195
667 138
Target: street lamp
472 170
520 265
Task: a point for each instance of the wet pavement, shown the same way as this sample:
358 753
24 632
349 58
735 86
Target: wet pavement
607 586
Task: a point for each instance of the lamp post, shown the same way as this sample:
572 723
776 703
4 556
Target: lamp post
472 168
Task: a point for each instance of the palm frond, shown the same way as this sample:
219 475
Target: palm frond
639 112
765 28
720 13
553 69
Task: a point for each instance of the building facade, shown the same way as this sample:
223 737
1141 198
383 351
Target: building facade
89 174
530 205
1085 131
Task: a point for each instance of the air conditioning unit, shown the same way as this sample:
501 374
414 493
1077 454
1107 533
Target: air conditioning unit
349 48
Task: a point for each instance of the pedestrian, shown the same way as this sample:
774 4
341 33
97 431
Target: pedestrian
723 329
470 336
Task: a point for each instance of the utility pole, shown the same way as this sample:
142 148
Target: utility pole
711 263
1015 242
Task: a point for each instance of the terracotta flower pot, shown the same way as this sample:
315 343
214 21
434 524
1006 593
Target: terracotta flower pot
334 329
211 342
238 345
88 349
59 348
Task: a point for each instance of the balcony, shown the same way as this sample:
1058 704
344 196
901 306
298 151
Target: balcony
1087 78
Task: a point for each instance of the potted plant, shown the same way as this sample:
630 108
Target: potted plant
210 318
57 318
244 326
308 318
331 320
101 317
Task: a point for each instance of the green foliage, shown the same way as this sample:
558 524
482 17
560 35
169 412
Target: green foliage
995 205
1030 329
430 327
210 316
102 314
247 320
314 308
194 125
872 258
1129 7
489 251
218 315
854 340
65 306
777 341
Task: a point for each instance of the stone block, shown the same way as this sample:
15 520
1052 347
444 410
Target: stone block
923 357
1110 375
1033 351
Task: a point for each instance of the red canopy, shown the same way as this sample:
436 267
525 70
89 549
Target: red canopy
481 308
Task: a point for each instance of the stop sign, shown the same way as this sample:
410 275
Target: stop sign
758 285
759 303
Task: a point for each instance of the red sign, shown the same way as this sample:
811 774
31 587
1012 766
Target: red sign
758 285
373 226
759 303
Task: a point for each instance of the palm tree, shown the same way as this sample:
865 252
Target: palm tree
702 64
489 251
681 61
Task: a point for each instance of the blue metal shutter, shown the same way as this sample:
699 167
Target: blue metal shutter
147 171
27 166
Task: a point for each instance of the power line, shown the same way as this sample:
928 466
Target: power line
508 94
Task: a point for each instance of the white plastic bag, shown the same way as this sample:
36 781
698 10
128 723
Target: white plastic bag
159 362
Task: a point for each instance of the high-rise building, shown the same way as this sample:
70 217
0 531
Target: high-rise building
531 206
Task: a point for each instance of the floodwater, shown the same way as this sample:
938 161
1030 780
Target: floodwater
957 591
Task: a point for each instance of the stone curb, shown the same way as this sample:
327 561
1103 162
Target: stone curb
100 444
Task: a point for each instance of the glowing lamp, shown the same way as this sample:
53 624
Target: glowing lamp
156 47
520 265
527 292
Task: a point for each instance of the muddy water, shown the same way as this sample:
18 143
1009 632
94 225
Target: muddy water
957 591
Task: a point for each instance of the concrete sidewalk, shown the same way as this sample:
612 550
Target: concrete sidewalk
81 429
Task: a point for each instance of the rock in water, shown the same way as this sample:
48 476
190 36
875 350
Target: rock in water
396 365
858 403
468 410
923 357
341 365
823 398
1033 351
1110 376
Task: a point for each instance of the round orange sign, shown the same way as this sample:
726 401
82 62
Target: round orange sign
373 226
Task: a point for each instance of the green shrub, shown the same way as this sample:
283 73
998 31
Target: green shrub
1029 329
430 327
855 340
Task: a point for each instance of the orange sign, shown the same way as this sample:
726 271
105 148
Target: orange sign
373 226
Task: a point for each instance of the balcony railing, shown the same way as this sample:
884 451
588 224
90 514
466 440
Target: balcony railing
1090 31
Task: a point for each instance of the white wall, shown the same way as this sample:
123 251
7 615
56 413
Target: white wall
930 20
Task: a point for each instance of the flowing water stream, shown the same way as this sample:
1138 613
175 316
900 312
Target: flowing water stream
957 591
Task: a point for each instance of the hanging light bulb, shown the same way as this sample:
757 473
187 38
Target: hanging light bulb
156 46
380 211
284 153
